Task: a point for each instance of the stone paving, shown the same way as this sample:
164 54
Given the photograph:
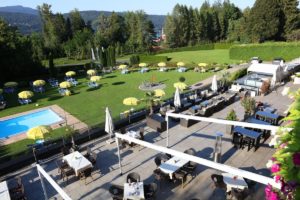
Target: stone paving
200 136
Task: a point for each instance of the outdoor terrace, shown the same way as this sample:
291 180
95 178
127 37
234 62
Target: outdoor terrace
200 136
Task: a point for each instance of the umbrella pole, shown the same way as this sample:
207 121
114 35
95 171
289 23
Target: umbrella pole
119 156
167 131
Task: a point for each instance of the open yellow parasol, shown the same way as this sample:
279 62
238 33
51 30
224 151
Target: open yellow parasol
25 95
38 132
131 101
10 84
162 64
180 64
39 83
65 84
70 73
202 64
180 85
159 93
95 78
143 65
122 66
91 72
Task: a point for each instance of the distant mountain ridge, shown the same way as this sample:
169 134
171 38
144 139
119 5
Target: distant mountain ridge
28 19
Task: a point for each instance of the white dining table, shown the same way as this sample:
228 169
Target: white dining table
77 161
4 192
233 181
134 191
172 165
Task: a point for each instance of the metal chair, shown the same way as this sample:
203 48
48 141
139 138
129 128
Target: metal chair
190 151
85 174
150 191
218 181
181 175
133 177
142 133
116 192
157 161
61 165
239 194
66 173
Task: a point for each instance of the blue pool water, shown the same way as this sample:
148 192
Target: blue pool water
25 122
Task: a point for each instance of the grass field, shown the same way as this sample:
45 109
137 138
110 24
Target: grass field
219 56
89 106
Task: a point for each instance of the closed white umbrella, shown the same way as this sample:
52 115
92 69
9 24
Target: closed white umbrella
214 84
177 102
109 126
93 55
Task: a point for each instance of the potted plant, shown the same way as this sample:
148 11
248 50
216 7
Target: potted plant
265 87
232 117
151 101
224 81
249 105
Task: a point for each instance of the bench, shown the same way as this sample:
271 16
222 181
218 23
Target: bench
156 122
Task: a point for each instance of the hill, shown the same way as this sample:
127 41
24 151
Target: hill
28 20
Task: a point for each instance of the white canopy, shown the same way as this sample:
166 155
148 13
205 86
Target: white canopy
276 71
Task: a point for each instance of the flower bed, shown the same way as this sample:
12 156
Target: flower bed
285 163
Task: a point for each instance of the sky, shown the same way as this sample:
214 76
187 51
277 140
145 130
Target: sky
149 6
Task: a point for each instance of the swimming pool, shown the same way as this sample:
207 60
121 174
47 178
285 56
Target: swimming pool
23 123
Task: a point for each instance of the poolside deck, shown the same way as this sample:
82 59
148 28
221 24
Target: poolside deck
200 136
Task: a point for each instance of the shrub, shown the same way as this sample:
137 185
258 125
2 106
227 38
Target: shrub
238 74
249 105
134 59
266 51
231 116
181 79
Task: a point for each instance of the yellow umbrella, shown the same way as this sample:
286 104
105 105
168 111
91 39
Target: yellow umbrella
143 65
131 101
65 84
70 73
180 85
202 64
180 64
25 94
10 84
159 93
38 132
122 66
68 93
39 83
91 72
95 78
162 64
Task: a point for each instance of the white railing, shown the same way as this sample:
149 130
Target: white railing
44 174
221 167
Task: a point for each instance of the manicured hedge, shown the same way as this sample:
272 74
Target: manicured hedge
266 51
151 59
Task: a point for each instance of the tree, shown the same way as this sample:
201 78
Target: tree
291 13
52 70
266 20
77 23
68 28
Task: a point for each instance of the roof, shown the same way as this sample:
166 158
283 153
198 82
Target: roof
263 68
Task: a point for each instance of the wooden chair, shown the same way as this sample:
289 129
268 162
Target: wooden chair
133 177
85 174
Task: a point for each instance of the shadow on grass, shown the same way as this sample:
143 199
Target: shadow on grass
53 98
118 83
112 76
92 89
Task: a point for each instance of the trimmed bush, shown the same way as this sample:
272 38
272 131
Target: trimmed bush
266 51
238 74
152 59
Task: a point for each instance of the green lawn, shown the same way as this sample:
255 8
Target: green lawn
65 61
89 106
219 56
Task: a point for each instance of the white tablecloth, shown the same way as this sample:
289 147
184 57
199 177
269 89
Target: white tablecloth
4 192
172 165
77 161
238 182
134 191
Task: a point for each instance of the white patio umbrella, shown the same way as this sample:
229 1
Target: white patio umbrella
109 126
177 102
93 55
214 84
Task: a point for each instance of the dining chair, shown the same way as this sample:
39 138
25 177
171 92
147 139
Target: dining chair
116 192
133 177
150 191
85 174
218 181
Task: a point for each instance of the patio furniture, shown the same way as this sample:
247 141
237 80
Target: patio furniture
218 181
160 175
269 109
78 162
268 117
66 173
157 160
93 158
239 194
246 133
2 104
134 190
116 192
237 140
4 192
150 191
19 195
181 175
190 151
182 69
156 122
142 130
233 181
187 122
65 150
61 165
93 85
133 177
194 109
172 165
85 174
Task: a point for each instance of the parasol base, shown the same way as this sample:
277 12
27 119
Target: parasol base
110 141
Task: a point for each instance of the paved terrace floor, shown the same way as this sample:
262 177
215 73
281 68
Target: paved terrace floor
200 136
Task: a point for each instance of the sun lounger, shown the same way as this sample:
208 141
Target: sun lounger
156 122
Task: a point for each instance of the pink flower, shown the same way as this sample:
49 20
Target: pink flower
268 190
277 178
275 168
273 196
296 159
282 145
